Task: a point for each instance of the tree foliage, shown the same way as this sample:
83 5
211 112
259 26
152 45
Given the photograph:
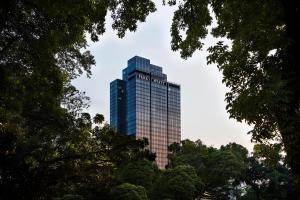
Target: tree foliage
140 172
260 67
50 149
267 175
46 142
79 163
230 172
130 192
178 183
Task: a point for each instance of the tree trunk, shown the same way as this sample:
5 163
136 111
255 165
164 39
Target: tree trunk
289 130
289 123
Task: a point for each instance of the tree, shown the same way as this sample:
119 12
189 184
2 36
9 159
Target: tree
270 155
230 172
141 172
188 153
130 192
223 173
237 149
81 162
178 183
43 133
46 142
267 176
261 67
220 170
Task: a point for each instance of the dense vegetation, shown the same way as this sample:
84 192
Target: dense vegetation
196 171
49 149
97 163
261 66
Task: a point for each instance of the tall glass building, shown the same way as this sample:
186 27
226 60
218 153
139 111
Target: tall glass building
145 104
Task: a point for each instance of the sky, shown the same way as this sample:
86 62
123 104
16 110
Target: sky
203 113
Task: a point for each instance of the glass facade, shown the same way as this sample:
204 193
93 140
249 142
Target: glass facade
117 108
149 107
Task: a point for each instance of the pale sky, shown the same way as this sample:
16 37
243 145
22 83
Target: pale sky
203 114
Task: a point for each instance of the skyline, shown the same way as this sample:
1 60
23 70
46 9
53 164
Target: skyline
203 110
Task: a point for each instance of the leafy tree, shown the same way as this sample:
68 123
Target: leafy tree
220 170
48 144
141 172
270 155
130 192
189 153
261 67
223 173
178 183
267 176
237 150
230 172
48 148
79 163
70 197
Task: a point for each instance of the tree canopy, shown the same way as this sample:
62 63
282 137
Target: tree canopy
130 192
230 172
260 67
48 147
49 144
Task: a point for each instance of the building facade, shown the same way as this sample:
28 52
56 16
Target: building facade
146 105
